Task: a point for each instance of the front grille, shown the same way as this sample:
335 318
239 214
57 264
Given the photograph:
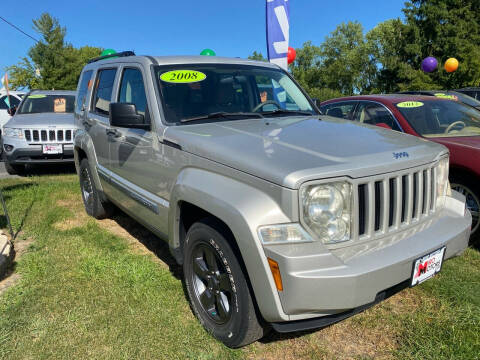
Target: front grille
48 136
389 202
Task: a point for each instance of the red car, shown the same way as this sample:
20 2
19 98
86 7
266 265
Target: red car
451 123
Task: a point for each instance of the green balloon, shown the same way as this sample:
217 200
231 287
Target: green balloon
208 52
108 52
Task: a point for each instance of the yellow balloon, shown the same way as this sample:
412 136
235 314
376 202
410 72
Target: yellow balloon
451 65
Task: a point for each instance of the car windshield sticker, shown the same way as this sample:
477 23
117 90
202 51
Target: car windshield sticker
38 96
59 105
446 96
183 76
410 104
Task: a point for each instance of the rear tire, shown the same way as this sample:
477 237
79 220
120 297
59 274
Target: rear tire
217 288
14 169
471 191
94 205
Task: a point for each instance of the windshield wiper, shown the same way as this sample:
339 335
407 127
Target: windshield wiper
286 112
225 115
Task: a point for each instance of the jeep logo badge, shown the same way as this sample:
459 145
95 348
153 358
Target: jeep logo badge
398 155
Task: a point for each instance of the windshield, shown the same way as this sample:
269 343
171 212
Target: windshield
222 91
441 118
40 103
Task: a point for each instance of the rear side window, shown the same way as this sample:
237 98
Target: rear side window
343 110
103 91
85 84
132 90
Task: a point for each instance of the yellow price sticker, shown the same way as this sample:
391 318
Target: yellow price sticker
410 104
446 96
183 76
37 96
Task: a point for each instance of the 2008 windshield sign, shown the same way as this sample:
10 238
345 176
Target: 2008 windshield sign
399 155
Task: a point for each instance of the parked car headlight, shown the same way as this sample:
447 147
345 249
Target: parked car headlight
13 132
443 185
327 211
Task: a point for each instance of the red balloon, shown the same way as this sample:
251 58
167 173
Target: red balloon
292 54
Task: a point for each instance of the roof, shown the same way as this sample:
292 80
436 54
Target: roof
387 98
180 59
53 92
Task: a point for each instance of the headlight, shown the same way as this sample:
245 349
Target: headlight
327 211
283 233
443 186
12 132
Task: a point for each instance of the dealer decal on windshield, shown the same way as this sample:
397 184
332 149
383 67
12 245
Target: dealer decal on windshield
183 76
410 104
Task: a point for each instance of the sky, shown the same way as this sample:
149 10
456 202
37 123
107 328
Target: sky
183 27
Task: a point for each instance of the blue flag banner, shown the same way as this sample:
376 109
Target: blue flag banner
278 30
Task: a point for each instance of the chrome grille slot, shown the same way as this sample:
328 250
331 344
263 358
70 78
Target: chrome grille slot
48 136
389 202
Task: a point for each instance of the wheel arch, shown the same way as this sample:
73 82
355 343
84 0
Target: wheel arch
241 209
83 148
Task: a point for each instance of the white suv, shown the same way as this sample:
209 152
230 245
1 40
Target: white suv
7 102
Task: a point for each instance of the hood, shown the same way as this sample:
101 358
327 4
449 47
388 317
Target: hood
41 120
291 150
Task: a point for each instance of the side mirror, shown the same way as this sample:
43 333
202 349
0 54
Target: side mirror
11 111
125 115
316 101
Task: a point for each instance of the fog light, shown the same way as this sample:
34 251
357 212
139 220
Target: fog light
8 148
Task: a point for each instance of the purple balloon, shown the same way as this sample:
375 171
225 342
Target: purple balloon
429 64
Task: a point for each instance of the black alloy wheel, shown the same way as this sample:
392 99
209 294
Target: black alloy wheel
94 205
219 292
211 283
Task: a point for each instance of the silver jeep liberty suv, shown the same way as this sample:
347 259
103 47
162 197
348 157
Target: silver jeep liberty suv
281 217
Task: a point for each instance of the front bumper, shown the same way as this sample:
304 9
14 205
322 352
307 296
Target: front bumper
318 282
33 154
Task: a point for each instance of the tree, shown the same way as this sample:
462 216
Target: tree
51 63
346 64
257 56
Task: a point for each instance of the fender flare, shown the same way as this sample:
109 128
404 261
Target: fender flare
243 209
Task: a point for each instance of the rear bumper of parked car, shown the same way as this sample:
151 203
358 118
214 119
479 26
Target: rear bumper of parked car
33 154
324 286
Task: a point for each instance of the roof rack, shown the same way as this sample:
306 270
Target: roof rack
119 54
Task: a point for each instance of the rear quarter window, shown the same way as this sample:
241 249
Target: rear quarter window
85 85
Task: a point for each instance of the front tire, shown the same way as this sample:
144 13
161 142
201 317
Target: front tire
94 205
14 169
217 288
470 190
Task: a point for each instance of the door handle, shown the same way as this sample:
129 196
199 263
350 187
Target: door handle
113 132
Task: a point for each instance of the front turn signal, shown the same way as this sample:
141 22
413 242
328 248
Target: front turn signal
275 269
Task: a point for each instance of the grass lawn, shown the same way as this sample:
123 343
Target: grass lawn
85 289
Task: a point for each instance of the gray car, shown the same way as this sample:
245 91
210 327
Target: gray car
41 131
281 217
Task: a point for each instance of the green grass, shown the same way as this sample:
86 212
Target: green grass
87 293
